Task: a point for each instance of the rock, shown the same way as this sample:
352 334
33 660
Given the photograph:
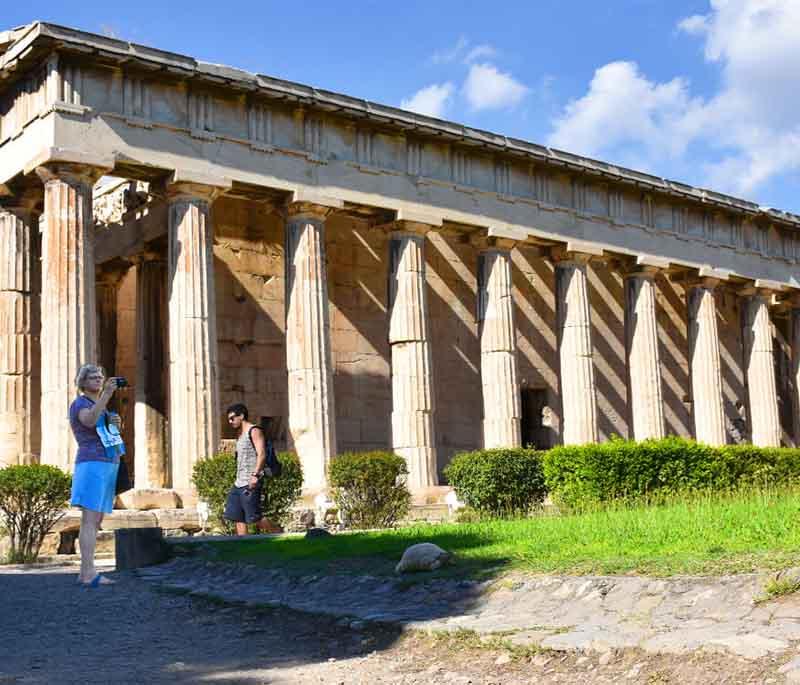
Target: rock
185 519
424 556
317 533
145 499
137 547
503 659
606 658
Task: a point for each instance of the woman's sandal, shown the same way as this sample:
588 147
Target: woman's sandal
97 581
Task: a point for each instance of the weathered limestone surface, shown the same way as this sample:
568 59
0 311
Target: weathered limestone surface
194 393
498 336
709 416
575 351
760 368
312 428
412 374
68 301
644 367
18 260
150 414
795 373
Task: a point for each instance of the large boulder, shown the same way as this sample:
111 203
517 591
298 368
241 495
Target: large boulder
424 556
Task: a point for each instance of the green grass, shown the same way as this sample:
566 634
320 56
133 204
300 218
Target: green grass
711 534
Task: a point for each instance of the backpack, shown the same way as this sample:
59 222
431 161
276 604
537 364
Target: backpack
272 462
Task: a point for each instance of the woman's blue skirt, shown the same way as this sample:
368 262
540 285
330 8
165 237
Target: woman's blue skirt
93 485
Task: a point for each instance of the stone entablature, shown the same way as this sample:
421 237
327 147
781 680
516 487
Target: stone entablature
138 105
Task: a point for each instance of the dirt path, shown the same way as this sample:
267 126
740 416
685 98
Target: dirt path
53 631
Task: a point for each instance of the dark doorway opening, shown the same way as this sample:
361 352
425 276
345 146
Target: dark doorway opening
535 432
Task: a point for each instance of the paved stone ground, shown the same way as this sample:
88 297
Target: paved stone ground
140 631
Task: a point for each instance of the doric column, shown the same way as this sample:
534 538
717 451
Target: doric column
68 332
312 415
795 333
704 361
19 260
498 339
759 365
579 403
194 417
106 290
413 405
150 411
644 368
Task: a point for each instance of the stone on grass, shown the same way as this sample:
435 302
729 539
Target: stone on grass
317 533
424 556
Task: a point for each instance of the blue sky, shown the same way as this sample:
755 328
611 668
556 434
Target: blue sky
701 91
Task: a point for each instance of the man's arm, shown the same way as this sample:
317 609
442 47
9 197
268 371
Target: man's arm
257 437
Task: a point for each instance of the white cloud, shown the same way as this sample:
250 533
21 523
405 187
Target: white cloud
432 100
488 88
479 51
750 123
452 53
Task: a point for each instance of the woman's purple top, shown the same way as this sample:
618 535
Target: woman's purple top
89 446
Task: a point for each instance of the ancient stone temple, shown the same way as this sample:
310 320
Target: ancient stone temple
370 277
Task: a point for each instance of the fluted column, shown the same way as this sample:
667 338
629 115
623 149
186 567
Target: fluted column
795 321
312 415
644 373
578 398
704 361
413 406
498 339
150 412
19 259
68 334
194 417
106 290
759 365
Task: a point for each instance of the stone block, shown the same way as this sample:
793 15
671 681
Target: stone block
185 519
145 499
122 518
137 547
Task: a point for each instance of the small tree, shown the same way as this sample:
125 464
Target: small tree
32 499
369 488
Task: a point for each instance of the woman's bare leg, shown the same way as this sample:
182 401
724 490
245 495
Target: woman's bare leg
87 542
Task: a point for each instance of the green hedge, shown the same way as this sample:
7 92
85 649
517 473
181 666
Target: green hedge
584 475
499 482
32 499
215 476
369 488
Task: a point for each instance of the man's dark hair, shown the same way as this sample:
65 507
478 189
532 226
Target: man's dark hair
238 409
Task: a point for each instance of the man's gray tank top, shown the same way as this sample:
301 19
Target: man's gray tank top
246 459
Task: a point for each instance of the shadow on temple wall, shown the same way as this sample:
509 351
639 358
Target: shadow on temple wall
607 304
782 348
455 349
535 319
674 356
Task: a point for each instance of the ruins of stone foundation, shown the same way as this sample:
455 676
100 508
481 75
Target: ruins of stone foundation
373 278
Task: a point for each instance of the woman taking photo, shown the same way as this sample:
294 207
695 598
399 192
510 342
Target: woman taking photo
95 475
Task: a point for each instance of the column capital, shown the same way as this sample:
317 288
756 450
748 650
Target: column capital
70 172
488 243
641 271
23 205
706 282
413 227
561 256
148 256
308 210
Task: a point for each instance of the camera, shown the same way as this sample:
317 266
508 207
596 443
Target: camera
122 382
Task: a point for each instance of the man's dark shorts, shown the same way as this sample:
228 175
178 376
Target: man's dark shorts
244 505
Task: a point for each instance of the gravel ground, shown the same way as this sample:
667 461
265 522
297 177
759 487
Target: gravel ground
54 631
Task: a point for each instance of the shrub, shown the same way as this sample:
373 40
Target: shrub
215 476
498 482
584 475
32 498
369 488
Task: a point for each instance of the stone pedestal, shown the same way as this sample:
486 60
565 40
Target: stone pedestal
68 332
413 435
644 367
759 365
150 412
312 416
19 260
194 393
579 403
498 339
704 362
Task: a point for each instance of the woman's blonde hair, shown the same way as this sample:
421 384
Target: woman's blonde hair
83 373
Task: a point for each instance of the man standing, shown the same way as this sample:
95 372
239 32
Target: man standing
244 500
